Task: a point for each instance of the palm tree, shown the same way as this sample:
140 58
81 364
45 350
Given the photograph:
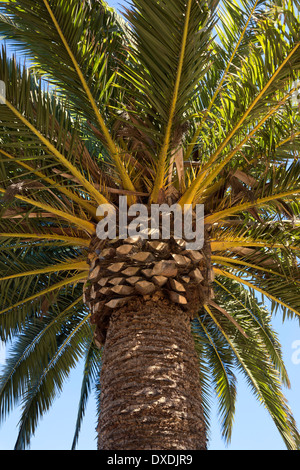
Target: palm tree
190 103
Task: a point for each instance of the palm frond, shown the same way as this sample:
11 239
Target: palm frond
219 360
189 102
259 371
91 375
52 20
48 380
247 99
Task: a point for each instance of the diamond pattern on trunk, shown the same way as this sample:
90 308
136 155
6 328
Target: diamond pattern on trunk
126 269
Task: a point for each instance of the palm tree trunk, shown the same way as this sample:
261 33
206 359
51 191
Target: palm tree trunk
150 387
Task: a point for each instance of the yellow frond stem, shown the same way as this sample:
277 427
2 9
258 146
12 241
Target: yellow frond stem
207 111
225 261
92 191
210 219
72 266
114 151
28 236
161 167
228 245
83 224
59 285
289 139
221 165
220 272
208 310
197 185
72 196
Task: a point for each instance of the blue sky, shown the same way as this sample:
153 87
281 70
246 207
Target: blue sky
253 429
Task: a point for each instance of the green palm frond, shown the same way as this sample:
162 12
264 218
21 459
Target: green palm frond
219 360
251 93
39 338
92 32
264 370
166 82
49 378
185 101
92 366
32 119
53 21
281 184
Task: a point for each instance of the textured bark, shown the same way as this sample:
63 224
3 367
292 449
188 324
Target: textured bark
150 388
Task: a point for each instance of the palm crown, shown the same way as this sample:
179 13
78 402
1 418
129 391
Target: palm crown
184 102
